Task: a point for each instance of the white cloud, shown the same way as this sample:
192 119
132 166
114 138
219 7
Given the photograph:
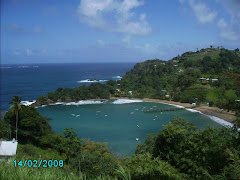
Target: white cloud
181 1
232 6
114 15
44 52
101 42
203 13
230 30
37 29
227 31
29 52
229 35
16 52
127 39
222 23
16 29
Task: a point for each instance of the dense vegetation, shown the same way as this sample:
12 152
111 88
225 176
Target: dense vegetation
180 77
197 153
94 91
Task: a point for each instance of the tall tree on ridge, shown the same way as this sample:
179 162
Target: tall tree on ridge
16 108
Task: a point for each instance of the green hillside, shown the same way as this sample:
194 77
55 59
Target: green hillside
207 76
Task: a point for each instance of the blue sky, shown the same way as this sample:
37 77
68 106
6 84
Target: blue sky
43 31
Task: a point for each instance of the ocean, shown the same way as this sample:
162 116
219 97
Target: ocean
121 123
31 81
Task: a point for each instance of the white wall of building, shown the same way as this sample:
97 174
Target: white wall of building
8 148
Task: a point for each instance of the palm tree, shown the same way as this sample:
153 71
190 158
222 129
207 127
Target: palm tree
16 108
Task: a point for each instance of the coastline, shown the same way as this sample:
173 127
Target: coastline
216 114
211 112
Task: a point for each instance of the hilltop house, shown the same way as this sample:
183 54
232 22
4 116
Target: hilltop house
180 70
163 91
214 80
207 80
130 92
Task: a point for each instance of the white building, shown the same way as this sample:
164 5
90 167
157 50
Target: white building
214 80
8 148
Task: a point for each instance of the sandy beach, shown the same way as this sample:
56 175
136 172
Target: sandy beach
211 111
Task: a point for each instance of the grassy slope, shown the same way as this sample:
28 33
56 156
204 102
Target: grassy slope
201 55
8 171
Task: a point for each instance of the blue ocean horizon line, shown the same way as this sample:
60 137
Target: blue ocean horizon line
27 64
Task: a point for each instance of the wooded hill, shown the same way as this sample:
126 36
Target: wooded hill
210 75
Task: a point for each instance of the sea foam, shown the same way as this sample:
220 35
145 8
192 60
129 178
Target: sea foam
84 102
171 104
220 121
27 103
117 77
125 101
193 110
22 66
91 81
5 67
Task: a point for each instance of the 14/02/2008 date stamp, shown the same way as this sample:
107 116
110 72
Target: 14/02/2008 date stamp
38 163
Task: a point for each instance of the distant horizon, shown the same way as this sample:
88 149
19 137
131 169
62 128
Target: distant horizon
73 63
102 62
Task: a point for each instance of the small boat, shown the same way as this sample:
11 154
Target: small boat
137 139
138 126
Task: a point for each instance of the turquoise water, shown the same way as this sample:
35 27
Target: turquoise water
117 124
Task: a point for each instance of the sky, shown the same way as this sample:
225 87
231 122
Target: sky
65 31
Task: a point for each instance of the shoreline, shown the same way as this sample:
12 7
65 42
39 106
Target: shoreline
215 113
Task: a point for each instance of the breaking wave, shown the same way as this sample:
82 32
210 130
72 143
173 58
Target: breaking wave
91 81
125 101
